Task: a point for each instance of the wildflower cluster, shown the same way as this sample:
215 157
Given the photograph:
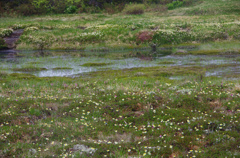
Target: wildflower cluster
89 37
63 26
33 28
172 37
6 32
107 117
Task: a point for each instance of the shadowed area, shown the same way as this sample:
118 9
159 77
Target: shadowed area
12 39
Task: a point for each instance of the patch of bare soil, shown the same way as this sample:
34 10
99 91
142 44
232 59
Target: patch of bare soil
13 38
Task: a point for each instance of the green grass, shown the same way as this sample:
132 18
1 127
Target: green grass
2 44
111 32
29 69
167 62
137 112
120 113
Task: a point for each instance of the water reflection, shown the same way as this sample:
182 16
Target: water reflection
73 65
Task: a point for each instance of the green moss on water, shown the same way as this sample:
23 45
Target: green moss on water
95 64
29 69
34 62
62 68
214 66
22 76
205 52
166 62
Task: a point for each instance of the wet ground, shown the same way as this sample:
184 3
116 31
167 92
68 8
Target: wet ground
67 65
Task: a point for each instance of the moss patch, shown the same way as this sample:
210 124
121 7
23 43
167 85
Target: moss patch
29 69
35 62
95 64
166 62
204 52
62 68
2 44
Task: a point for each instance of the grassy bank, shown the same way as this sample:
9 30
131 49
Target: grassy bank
205 22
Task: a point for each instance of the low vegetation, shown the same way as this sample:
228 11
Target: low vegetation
29 69
2 43
101 31
134 9
95 64
118 31
172 109
120 113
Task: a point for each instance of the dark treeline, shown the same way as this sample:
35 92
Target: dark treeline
31 7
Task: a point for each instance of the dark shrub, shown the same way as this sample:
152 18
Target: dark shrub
1 8
26 9
90 9
58 6
71 9
165 1
156 8
174 4
112 9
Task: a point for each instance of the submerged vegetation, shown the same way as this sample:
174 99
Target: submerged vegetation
95 64
29 69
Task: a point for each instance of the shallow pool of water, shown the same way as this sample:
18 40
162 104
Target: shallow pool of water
68 65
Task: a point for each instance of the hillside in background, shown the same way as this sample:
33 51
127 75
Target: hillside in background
187 7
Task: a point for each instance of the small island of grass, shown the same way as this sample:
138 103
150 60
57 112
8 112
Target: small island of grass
29 69
95 64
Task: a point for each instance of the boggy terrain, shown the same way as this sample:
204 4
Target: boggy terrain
115 96
120 113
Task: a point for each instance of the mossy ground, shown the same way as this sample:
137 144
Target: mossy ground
121 113
62 68
29 69
95 64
